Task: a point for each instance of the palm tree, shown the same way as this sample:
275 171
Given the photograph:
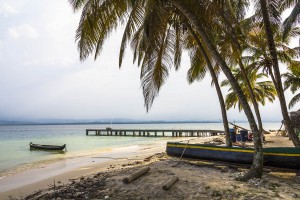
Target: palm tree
190 13
263 90
264 8
191 10
271 55
199 62
292 81
257 49
233 43
154 47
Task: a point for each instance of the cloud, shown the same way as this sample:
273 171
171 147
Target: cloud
0 50
23 30
7 10
55 62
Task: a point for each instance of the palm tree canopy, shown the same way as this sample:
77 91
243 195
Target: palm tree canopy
263 90
257 49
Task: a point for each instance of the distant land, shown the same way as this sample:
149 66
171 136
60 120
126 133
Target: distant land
53 122
101 121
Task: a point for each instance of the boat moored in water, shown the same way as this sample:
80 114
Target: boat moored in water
285 157
47 147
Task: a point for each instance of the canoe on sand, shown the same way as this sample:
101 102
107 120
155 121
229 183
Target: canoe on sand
285 157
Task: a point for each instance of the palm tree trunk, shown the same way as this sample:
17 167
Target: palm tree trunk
257 165
244 73
253 99
217 86
279 88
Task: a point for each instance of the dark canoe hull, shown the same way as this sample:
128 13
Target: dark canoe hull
47 147
285 157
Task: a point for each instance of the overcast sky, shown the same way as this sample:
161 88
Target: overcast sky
41 75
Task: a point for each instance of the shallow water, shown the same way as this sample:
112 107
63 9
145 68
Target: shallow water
15 139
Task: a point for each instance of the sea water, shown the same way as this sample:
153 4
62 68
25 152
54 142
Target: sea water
15 139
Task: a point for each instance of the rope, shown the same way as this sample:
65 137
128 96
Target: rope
184 150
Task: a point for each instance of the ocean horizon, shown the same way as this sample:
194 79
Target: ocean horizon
110 121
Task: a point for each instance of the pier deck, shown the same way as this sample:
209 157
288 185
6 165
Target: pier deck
154 132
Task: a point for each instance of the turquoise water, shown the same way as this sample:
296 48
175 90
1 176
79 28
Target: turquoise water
15 139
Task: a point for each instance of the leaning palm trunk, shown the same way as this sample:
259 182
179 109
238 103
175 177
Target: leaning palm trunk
252 96
244 73
217 86
257 166
277 80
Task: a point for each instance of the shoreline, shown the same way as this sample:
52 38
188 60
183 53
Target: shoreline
38 177
56 157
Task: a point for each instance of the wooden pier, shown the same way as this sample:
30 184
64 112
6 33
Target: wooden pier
154 132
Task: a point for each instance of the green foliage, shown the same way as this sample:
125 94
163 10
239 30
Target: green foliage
263 90
293 18
292 82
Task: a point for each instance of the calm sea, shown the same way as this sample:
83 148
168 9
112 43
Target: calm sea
15 139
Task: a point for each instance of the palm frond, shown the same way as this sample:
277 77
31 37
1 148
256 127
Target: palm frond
153 74
274 13
294 100
134 21
198 67
291 81
231 100
292 18
98 20
285 4
178 46
77 4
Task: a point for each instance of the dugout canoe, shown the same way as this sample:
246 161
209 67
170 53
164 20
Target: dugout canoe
285 157
47 147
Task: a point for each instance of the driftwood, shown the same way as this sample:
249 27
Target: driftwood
136 175
170 182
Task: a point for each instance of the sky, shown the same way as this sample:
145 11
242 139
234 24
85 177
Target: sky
41 76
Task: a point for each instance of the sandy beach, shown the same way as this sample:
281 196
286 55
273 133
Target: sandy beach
29 180
100 177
